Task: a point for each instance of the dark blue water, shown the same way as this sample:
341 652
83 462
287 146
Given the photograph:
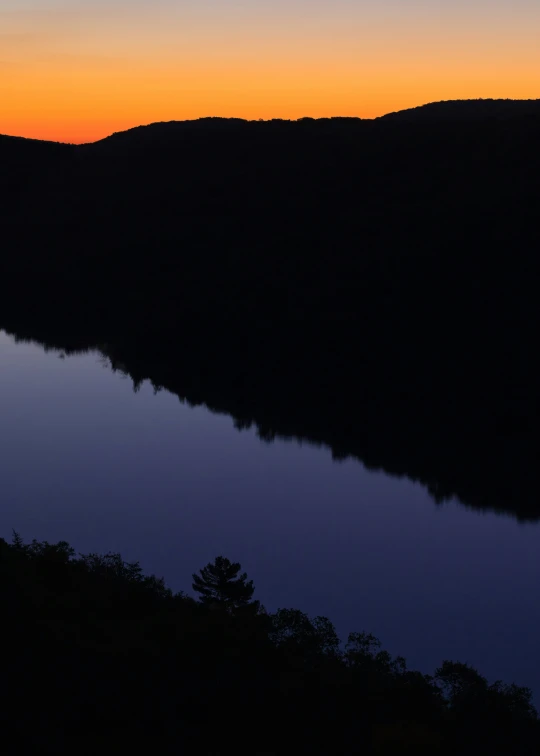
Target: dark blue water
85 459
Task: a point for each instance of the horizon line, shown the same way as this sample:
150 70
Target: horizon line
271 120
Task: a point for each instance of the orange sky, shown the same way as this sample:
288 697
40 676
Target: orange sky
77 70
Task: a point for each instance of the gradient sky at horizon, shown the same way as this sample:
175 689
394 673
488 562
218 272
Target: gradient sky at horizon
77 70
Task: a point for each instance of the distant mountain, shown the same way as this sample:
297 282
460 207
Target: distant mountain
173 134
466 110
449 111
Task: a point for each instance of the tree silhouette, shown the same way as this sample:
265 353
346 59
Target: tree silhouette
467 690
292 628
219 582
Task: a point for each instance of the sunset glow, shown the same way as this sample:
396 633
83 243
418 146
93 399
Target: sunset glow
77 71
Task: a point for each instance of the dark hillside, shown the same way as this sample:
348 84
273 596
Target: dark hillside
467 111
32 175
371 285
105 659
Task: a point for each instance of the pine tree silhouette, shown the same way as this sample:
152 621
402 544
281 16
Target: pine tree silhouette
219 582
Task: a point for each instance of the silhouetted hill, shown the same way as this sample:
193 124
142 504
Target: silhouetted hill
371 285
20 157
10 145
467 110
446 110
109 658
173 133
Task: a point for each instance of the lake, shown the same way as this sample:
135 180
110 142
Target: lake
85 458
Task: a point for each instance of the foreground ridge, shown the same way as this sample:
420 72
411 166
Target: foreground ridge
135 664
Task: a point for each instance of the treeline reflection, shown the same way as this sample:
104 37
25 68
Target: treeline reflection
365 441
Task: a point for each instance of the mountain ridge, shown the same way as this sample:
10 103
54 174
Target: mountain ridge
453 111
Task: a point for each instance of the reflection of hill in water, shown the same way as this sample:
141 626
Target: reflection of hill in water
367 285
376 439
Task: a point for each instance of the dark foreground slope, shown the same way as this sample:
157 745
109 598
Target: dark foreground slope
99 658
371 285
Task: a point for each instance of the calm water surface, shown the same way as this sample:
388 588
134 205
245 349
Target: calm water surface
85 459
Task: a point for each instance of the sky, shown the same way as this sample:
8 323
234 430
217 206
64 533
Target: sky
78 70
